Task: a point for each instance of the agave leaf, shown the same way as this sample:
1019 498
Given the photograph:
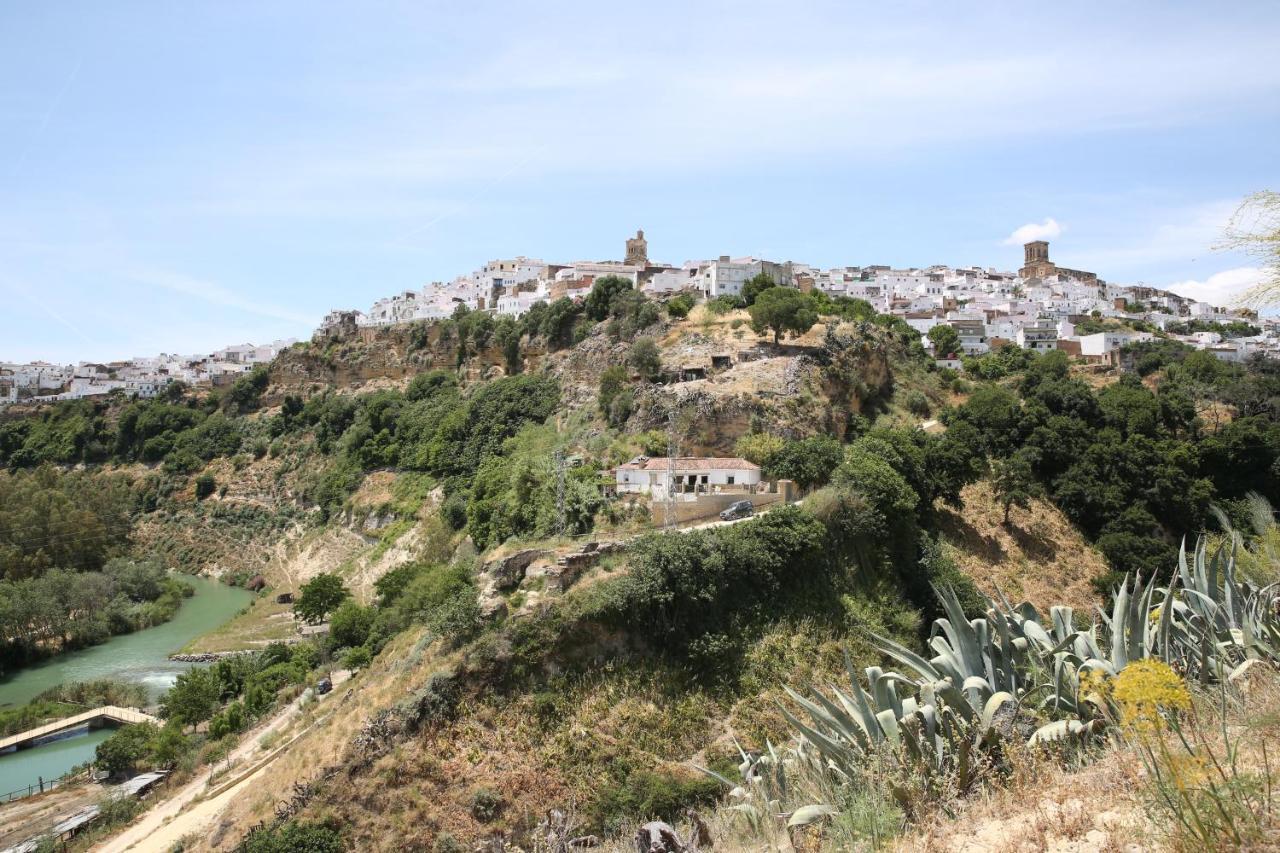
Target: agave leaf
714 775
993 706
1057 730
808 814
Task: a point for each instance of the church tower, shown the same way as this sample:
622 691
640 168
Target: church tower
637 250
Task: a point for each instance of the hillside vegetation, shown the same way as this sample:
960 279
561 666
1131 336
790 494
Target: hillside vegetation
405 484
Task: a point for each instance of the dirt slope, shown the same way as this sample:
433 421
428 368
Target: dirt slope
1040 557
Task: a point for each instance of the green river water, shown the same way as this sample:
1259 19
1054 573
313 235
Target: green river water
141 657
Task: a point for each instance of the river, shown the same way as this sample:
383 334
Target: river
141 657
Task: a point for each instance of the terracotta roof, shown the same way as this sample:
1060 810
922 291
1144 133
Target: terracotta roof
689 463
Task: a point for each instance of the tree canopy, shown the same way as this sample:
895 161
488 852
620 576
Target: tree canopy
782 310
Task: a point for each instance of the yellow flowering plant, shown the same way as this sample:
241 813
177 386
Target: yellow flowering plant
1147 692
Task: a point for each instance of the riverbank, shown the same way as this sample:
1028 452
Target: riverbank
262 622
141 656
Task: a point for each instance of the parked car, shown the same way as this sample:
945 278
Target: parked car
741 509
324 685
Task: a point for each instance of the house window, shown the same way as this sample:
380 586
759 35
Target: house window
730 479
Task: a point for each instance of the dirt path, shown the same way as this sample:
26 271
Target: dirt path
169 821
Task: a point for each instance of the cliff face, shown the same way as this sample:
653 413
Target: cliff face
350 357
720 380
816 384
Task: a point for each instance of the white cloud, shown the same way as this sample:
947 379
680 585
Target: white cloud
1223 288
1047 230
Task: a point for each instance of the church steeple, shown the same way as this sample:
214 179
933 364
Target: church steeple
637 250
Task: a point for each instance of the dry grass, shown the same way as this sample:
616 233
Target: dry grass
264 622
1045 808
1039 558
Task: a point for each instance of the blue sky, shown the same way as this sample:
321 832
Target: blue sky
175 177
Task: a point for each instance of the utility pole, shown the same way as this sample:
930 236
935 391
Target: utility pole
560 465
672 448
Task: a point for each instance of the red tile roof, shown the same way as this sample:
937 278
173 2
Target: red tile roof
689 463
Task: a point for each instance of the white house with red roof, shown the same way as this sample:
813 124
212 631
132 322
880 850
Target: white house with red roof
658 475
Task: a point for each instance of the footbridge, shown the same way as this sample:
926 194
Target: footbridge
93 719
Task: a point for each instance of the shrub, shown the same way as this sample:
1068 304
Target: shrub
205 486
294 837
358 658
918 404
650 794
680 306
486 805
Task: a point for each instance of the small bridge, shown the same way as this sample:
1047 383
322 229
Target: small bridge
93 719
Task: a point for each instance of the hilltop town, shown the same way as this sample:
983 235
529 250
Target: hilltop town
1041 306
142 377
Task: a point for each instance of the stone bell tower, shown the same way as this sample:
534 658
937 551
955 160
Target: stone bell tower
637 250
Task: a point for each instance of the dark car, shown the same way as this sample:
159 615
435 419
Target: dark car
323 686
741 509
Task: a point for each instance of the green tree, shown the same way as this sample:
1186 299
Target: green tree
193 697
945 340
507 335
754 286
1014 482
126 748
645 359
603 293
782 309
613 381
319 597
809 462
350 624
758 447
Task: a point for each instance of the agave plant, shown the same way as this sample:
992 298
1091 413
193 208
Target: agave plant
984 661
943 717
765 788
936 733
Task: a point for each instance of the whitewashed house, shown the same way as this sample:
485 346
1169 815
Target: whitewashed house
686 474
1039 336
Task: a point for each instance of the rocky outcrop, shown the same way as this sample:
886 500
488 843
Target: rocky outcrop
350 357
210 657
507 573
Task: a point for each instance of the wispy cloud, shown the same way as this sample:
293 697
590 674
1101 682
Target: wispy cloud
42 305
216 294
1047 230
21 159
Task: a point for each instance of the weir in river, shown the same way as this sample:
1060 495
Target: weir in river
141 657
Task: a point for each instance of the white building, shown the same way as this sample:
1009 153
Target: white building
651 475
1104 343
673 280
725 277
1039 336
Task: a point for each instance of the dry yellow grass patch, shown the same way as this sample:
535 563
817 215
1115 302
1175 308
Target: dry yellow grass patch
1040 557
